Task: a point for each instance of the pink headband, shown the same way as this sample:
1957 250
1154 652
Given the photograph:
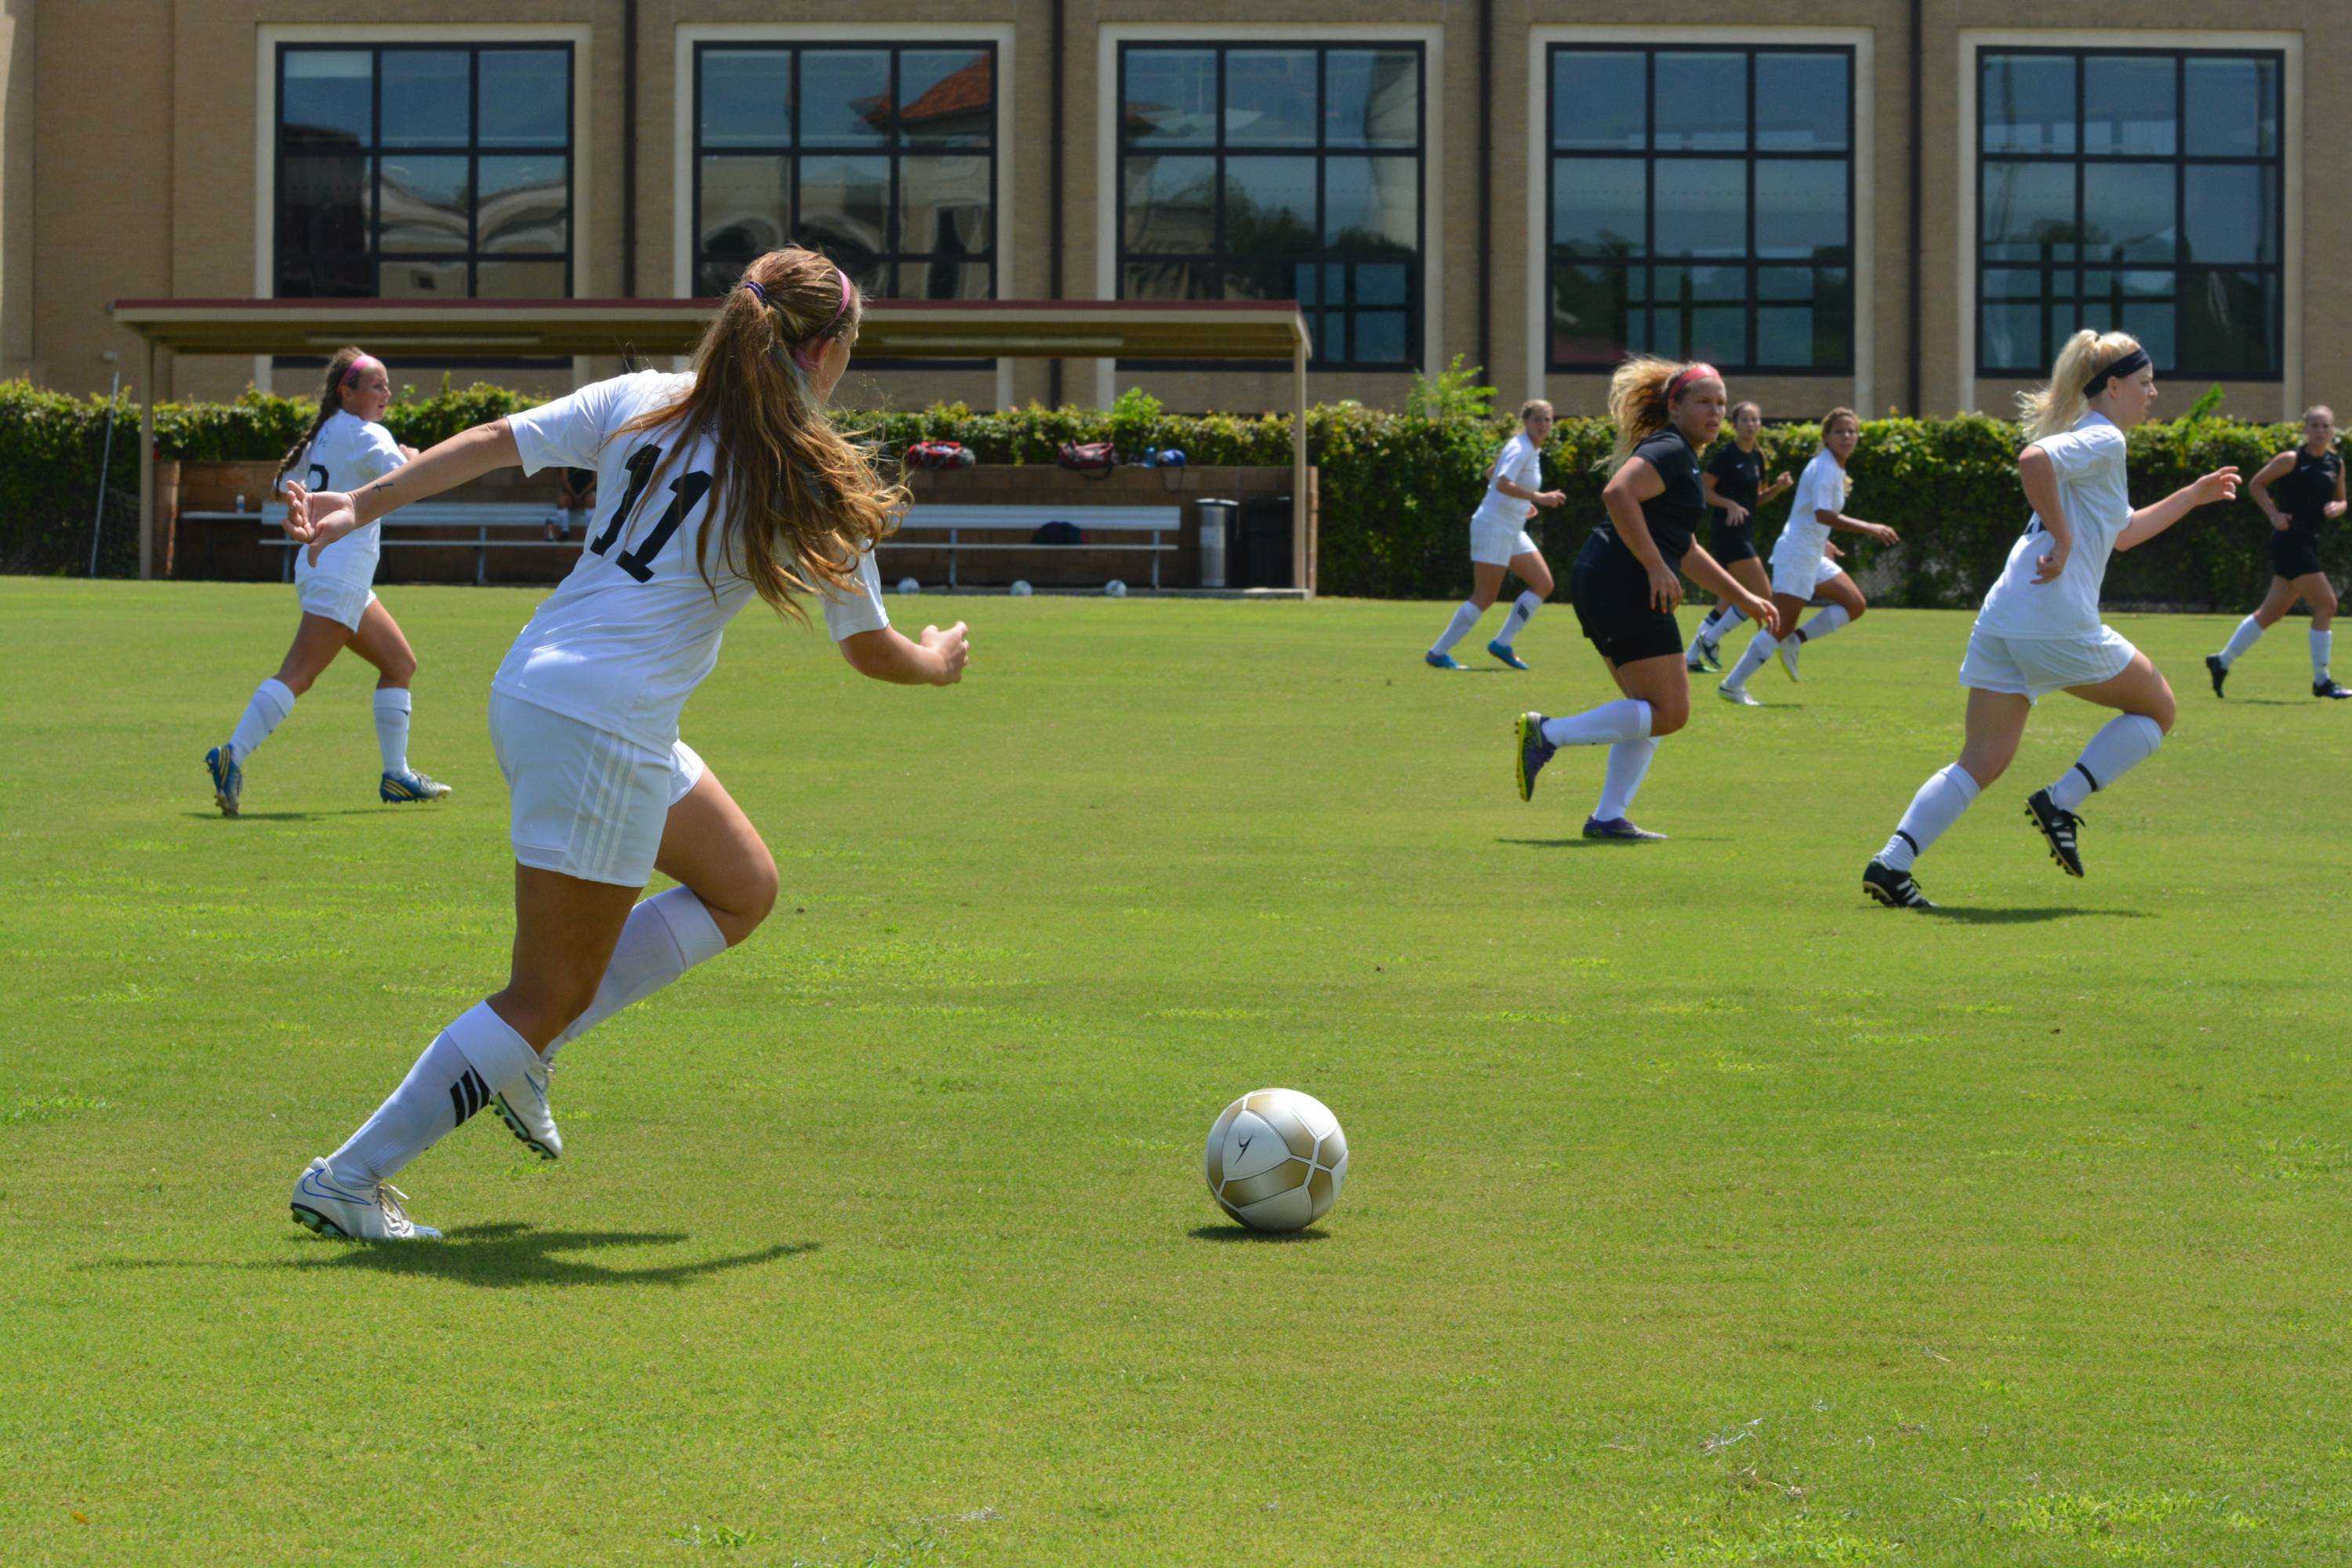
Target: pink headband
1690 372
800 353
359 365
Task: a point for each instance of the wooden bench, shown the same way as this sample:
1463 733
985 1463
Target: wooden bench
954 520
480 517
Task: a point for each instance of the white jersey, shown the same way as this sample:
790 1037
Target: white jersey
1822 488
347 452
2095 489
629 634
1521 462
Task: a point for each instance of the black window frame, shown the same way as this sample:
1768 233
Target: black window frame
893 152
1416 288
2180 267
473 151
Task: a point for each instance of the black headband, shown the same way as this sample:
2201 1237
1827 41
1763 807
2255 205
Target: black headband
2137 359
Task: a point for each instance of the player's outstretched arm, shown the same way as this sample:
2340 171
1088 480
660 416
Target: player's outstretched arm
319 517
2148 521
885 655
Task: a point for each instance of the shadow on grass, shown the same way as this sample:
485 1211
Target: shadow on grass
2032 916
500 1255
279 815
1231 1233
1581 842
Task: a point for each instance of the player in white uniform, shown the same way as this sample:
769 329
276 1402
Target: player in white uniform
1803 568
2040 631
1500 542
345 446
718 484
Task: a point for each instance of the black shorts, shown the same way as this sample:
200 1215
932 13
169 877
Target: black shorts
1728 544
2293 555
1611 593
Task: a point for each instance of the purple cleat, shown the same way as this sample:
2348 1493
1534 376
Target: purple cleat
1621 830
1532 751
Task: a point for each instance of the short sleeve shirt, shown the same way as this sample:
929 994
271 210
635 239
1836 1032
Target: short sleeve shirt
1739 475
1675 513
1521 462
2094 487
1821 488
347 452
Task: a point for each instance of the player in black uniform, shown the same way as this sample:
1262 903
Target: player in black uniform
2310 485
1624 588
1735 492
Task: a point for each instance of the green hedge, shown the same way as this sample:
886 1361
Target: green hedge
1397 490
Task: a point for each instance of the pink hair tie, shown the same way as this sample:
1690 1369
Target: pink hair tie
801 356
361 365
1690 372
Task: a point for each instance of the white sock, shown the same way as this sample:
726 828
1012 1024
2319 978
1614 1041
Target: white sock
1949 793
1721 619
272 700
1523 610
665 935
1823 624
2121 745
2322 645
1466 616
2249 632
476 1056
1760 647
1629 760
1627 719
392 727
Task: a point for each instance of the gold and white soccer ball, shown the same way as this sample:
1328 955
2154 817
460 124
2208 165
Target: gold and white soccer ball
1276 1159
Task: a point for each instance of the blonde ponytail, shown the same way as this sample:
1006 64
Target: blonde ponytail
1638 404
2059 405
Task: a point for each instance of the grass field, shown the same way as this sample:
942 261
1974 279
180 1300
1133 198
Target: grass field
1699 1211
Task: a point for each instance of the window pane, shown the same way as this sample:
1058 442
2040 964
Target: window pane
1596 205
1371 97
746 97
1702 207
522 98
1600 100
712 280
1800 209
1169 280
2232 212
2027 102
1381 283
425 204
1371 204
1800 103
406 280
2233 109
322 205
950 98
943 207
1702 101
1270 98
1269 207
524 204
945 278
2227 326
325 277
427 96
744 212
1718 334
844 208
326 98
2029 212
2128 212
1170 204
1380 338
1171 98
518 280
1590 315
2127 104
1264 277
844 98
1784 336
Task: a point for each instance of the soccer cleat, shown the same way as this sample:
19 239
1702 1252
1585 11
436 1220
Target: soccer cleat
2217 670
522 1106
228 779
395 789
326 1203
1704 654
2327 687
1891 888
1533 752
2058 827
1502 650
1440 661
1621 830
1739 694
1788 651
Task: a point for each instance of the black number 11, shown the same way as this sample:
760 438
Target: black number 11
686 493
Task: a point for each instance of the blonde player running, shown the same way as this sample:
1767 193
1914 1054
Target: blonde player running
719 484
2040 631
346 446
1500 542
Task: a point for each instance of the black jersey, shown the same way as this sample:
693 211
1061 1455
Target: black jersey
2303 492
1739 475
1675 513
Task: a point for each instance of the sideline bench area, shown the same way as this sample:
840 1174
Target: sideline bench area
956 521
528 521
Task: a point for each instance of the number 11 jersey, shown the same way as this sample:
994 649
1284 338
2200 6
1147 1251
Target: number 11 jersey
635 627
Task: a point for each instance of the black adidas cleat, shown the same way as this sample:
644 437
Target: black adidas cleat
2058 826
1891 888
2217 670
2329 688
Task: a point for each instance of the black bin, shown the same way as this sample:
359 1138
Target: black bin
1260 557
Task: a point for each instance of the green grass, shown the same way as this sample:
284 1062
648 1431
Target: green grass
1699 1212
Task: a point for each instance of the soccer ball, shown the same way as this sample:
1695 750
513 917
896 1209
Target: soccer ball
909 585
1020 589
1276 1159
1115 588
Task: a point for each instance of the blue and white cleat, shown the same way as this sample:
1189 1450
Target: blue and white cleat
1502 650
1440 661
396 789
326 1203
522 1106
228 779
1740 695
1787 650
1533 753
1621 830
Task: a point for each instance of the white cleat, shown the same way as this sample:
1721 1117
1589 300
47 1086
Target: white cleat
1788 651
522 1106
326 1203
1739 694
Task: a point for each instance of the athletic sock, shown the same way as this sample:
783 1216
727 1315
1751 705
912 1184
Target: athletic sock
2249 631
1719 620
272 700
1949 793
1823 624
392 727
1761 647
2121 745
665 935
1523 610
1466 616
1629 761
476 1056
1627 719
2322 645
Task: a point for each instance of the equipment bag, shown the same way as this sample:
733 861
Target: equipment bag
941 455
1089 458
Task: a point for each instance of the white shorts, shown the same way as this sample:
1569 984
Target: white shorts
1800 578
338 601
586 803
2033 667
1496 543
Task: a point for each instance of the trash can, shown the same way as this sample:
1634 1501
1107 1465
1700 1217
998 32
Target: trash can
1219 523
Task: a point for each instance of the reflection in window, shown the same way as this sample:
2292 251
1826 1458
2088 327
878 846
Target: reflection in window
1701 206
1278 172
882 157
2135 189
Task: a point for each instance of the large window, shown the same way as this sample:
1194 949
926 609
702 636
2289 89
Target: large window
2134 189
424 171
882 157
1701 206
1279 171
